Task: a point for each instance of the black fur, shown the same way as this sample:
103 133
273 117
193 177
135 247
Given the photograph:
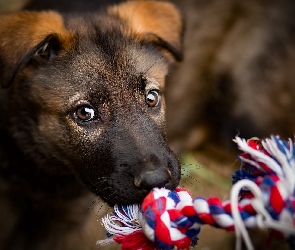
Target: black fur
51 158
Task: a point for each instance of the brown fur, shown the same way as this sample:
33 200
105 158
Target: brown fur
145 14
51 161
28 30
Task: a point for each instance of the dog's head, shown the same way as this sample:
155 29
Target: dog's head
85 94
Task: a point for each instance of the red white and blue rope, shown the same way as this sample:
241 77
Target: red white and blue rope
263 195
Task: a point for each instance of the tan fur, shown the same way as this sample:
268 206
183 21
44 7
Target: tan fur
20 32
151 17
26 29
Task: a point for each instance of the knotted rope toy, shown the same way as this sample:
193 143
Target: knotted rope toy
263 195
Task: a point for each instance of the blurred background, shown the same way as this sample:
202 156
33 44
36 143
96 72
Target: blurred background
237 78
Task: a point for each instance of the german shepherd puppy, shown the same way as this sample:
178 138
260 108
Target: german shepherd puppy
82 110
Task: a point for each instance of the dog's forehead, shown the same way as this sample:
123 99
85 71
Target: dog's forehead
103 53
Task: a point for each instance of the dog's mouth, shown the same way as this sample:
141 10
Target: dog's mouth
119 193
123 197
124 187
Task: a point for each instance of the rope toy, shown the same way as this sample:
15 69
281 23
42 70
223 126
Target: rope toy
263 195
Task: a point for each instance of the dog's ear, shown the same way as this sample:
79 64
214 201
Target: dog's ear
29 37
153 21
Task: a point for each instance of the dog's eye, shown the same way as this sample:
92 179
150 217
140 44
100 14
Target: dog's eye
84 113
153 98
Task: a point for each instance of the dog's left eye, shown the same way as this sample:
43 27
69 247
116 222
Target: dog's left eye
153 98
84 113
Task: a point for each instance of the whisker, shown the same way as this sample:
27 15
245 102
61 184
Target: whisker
93 203
192 179
155 62
103 205
100 180
113 195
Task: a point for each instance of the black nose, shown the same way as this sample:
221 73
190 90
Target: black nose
153 178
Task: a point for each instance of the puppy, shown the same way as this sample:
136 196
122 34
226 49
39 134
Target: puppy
82 110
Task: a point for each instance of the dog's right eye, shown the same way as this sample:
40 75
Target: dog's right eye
84 113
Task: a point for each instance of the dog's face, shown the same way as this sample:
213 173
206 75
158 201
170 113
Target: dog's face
86 95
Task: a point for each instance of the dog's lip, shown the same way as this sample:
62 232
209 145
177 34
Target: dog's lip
125 199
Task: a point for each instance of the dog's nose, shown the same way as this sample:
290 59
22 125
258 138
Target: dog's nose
153 178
